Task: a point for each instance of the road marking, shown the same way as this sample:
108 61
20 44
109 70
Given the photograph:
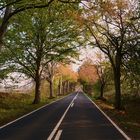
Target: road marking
60 121
113 123
72 104
75 98
30 113
58 135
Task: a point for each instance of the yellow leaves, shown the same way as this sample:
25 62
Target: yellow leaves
67 73
122 4
113 8
78 18
88 72
108 7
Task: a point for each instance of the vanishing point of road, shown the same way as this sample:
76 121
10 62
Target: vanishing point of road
74 117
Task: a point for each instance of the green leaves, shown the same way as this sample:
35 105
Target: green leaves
40 36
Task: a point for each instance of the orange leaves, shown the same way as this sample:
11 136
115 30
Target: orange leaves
108 7
67 73
114 8
122 4
88 72
78 18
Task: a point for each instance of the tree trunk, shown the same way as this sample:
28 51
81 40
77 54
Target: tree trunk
117 83
102 90
117 89
37 90
51 88
4 24
60 87
68 86
64 87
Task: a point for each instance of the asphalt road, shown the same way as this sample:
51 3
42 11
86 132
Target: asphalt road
73 118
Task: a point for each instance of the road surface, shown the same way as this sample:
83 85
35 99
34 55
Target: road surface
74 117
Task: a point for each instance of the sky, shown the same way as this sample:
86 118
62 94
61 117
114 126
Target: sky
16 80
87 53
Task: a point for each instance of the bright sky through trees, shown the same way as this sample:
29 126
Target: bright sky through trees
86 53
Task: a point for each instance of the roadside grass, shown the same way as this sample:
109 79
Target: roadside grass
129 119
14 105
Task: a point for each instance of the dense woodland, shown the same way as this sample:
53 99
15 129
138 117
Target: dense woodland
41 40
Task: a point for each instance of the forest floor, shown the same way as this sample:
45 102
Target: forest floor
15 105
128 119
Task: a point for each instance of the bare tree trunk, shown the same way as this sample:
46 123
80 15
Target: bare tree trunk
37 89
51 88
38 77
60 86
64 87
117 83
72 87
68 86
117 89
59 89
4 24
102 91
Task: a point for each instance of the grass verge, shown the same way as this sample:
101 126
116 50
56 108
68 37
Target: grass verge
128 120
13 106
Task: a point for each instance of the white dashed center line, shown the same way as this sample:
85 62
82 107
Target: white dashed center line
72 104
60 121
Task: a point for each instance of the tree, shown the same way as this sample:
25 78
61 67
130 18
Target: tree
67 79
11 8
50 71
47 36
108 23
131 58
103 70
88 75
56 69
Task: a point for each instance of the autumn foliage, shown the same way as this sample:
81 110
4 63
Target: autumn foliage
67 79
67 73
88 76
88 73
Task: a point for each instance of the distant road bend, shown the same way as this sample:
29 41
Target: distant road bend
74 117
